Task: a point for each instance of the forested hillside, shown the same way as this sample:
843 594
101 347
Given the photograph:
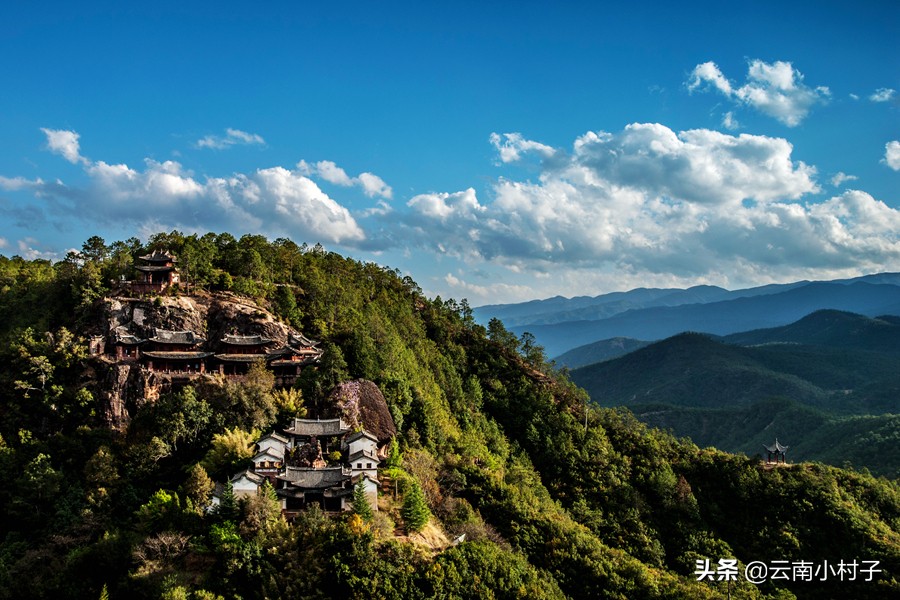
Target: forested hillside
828 385
556 497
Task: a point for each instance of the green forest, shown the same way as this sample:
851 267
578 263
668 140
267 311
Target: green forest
556 497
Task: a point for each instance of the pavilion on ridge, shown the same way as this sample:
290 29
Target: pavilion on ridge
775 453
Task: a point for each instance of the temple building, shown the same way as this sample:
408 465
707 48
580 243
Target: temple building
175 352
127 346
295 464
240 352
157 274
775 453
287 362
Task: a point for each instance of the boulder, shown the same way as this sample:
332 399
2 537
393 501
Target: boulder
361 404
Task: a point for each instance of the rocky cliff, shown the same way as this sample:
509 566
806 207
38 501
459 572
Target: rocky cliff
125 386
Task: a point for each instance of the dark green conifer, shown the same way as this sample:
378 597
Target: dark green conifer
415 511
361 504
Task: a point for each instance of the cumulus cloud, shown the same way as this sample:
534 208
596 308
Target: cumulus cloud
649 203
372 185
65 143
892 155
511 147
883 95
231 138
774 89
841 177
278 200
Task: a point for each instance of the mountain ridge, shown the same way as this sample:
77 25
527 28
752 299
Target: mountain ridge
722 317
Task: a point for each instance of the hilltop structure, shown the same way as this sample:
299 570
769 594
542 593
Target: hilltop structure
776 453
158 273
294 463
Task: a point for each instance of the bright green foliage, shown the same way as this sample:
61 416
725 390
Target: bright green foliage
162 511
361 504
289 403
415 510
230 451
395 457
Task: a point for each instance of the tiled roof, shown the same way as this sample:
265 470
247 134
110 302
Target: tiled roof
267 453
275 436
360 434
298 340
776 447
128 339
317 427
257 479
363 454
159 256
177 355
314 479
245 340
242 358
164 336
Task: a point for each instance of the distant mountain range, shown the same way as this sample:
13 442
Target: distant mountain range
562 324
827 384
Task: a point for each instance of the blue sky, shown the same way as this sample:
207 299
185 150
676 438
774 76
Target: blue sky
498 153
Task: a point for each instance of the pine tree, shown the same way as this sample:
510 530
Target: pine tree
415 511
228 507
361 504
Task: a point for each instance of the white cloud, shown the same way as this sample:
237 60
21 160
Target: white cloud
512 146
372 185
494 290
840 177
231 138
774 89
883 95
28 251
442 205
729 122
4 243
14 184
276 200
892 155
648 204
709 72
65 143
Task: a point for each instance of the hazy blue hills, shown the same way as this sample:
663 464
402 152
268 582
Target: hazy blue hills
830 328
723 317
559 309
598 352
830 380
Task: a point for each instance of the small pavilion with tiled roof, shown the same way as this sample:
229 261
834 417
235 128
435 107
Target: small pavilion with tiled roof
157 274
776 452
